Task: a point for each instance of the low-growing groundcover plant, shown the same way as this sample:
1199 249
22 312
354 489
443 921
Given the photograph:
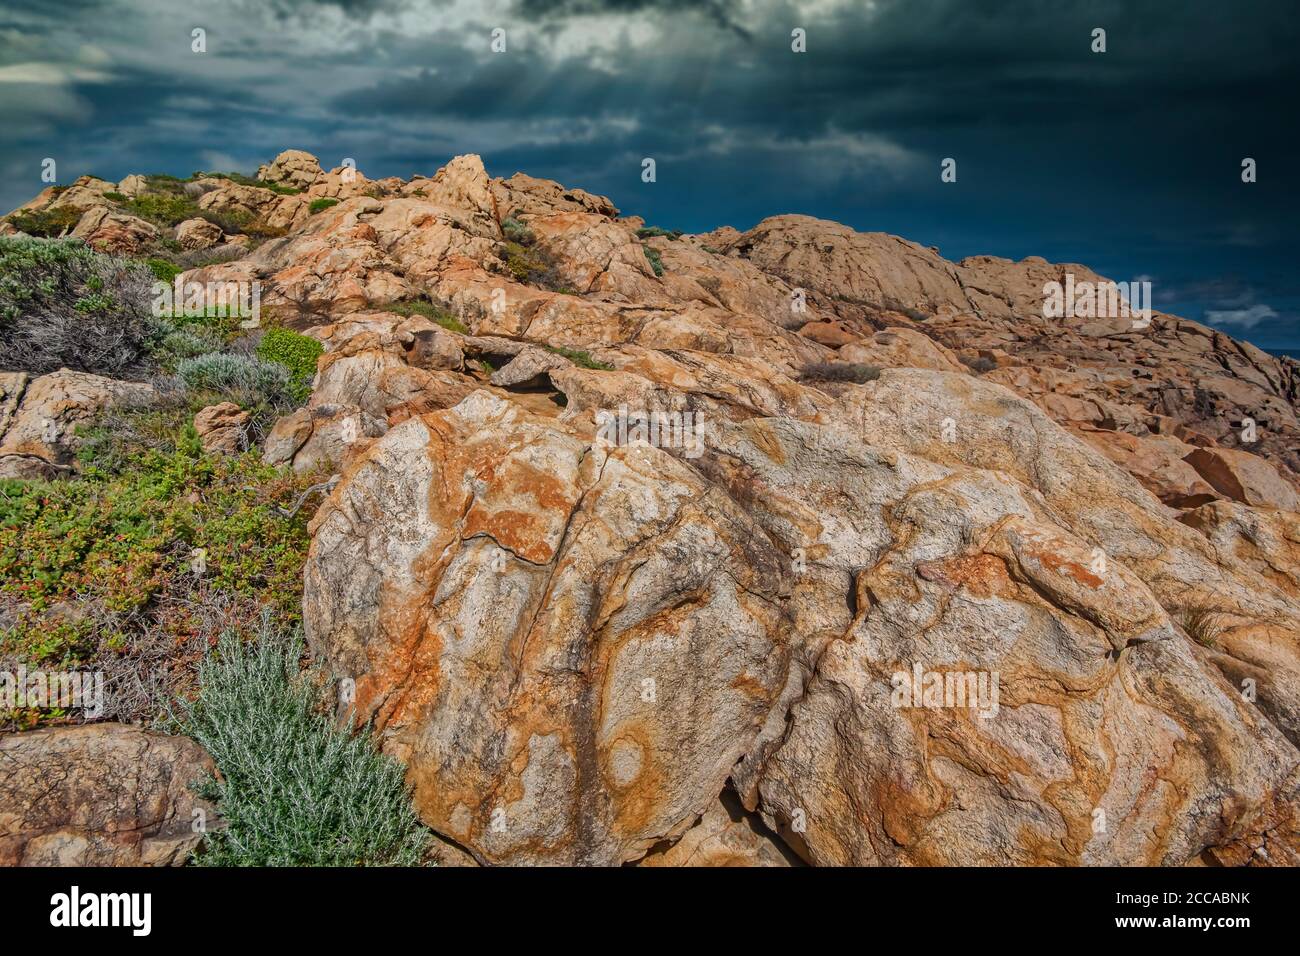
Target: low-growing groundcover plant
294 789
100 572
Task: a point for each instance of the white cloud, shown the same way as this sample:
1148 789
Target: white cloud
1244 318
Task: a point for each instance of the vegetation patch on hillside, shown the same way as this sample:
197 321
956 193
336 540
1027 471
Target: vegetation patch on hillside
129 567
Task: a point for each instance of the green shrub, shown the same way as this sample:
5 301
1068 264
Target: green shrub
115 197
297 353
46 223
64 305
118 539
532 265
163 209
656 263
432 312
650 232
516 231
293 790
163 270
245 180
320 205
248 380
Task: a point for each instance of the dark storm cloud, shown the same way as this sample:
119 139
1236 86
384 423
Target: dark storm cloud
719 11
1127 161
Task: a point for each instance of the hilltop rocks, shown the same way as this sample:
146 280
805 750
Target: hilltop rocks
1018 595
273 210
101 795
862 272
293 167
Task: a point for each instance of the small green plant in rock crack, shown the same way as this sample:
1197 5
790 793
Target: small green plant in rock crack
656 261
580 358
434 313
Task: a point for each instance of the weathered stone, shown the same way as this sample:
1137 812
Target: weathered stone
100 795
198 234
222 428
1244 477
588 699
41 438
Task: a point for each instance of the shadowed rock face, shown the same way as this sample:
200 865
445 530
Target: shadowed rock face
931 579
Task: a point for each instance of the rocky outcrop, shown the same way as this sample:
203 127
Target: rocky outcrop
38 420
293 167
570 646
1244 477
804 570
114 232
101 795
905 570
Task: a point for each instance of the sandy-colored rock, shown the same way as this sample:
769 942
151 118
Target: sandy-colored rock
293 167
114 232
1263 539
198 234
1156 461
321 437
132 186
900 347
569 646
12 386
222 428
1244 477
101 795
529 369
725 836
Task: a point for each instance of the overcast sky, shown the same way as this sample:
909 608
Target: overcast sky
1128 161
